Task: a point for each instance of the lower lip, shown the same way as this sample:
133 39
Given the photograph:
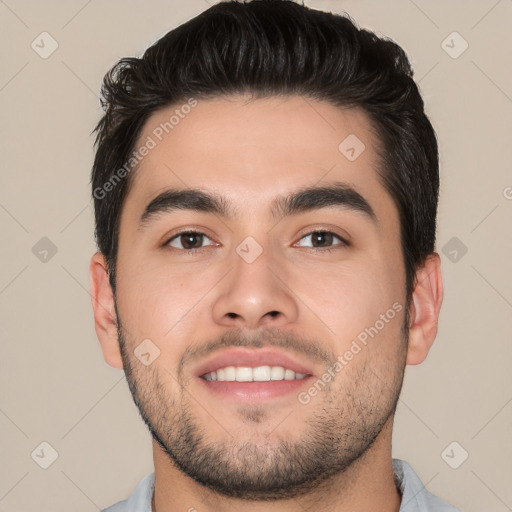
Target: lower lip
251 391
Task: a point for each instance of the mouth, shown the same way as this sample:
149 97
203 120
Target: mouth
249 375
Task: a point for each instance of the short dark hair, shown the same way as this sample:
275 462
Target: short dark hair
275 48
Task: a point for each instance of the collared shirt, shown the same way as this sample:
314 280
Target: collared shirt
415 497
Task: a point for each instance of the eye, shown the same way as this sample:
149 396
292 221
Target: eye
191 241
324 239
188 240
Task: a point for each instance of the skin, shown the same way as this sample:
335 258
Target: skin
251 152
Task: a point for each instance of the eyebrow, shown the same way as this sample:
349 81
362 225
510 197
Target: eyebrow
339 195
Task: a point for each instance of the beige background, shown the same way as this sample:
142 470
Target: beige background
55 386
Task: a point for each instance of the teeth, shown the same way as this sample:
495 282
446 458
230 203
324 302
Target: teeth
261 373
277 373
247 374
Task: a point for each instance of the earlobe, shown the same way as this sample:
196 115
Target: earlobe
426 303
102 299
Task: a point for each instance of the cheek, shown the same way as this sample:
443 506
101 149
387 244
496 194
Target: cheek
347 297
361 307
153 299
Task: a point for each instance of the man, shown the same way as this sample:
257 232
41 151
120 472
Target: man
266 186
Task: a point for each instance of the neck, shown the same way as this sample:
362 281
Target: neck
368 484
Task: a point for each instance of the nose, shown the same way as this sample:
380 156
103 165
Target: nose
254 295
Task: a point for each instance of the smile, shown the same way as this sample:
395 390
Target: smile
248 374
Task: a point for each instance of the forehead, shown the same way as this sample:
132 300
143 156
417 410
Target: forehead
251 150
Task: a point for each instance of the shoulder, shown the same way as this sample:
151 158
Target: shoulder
415 496
140 499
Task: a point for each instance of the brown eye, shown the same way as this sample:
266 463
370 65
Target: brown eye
323 240
188 240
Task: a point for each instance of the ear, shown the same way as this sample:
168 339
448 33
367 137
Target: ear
426 303
105 320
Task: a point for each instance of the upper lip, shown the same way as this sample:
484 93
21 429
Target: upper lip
252 358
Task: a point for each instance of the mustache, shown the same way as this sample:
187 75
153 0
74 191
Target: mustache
270 337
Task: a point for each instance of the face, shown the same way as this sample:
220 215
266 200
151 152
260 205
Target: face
272 312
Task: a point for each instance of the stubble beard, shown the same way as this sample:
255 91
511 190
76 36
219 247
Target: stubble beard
343 426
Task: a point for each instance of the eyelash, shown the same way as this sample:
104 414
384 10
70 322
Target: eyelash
343 243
